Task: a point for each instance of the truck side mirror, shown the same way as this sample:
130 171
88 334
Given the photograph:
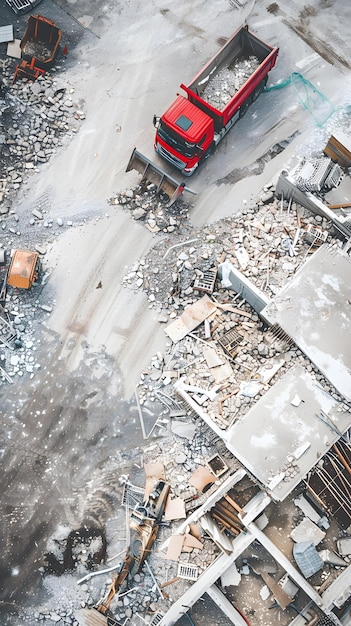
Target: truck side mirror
156 121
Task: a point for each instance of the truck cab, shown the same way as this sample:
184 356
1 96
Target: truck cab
184 135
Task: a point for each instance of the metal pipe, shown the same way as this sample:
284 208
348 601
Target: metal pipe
177 245
334 486
341 477
315 495
104 571
333 490
154 580
342 459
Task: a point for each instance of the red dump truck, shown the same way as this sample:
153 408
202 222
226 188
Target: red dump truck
215 99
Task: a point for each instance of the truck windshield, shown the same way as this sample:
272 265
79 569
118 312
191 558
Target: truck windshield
177 142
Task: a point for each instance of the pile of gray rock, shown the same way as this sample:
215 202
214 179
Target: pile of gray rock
55 617
224 85
18 357
150 207
36 118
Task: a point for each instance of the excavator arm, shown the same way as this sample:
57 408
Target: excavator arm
144 522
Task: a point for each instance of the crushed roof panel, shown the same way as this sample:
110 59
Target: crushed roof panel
292 425
315 310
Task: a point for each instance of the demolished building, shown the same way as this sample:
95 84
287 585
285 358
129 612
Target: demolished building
294 424
285 455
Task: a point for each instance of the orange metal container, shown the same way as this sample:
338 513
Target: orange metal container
40 41
24 269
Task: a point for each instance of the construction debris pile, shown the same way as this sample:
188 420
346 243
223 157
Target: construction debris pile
37 117
19 337
267 242
225 359
22 311
149 207
230 359
224 85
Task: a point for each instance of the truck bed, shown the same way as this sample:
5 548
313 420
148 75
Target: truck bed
242 49
223 85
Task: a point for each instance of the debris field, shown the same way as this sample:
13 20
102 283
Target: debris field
221 524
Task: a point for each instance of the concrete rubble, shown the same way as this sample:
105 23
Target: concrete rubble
37 118
225 373
256 242
226 362
148 207
222 87
268 242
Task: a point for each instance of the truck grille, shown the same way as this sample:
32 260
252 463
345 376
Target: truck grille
169 157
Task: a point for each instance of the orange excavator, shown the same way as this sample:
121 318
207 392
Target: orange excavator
144 523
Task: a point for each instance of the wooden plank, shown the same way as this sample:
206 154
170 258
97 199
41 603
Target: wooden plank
279 594
228 509
226 524
233 503
342 205
169 582
223 516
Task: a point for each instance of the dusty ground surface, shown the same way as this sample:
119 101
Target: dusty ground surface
72 429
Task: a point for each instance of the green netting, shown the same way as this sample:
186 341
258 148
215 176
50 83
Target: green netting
309 96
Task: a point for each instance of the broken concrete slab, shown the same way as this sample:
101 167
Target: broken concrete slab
231 576
278 454
307 531
331 558
174 547
322 285
212 357
192 316
232 278
344 546
183 429
307 508
175 509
